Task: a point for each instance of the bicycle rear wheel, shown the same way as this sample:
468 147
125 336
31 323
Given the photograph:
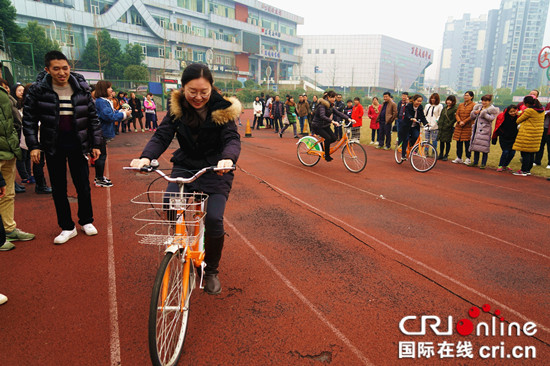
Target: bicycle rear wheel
354 157
423 157
307 157
167 321
398 155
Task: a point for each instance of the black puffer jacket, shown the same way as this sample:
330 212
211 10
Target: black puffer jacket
323 113
216 139
42 104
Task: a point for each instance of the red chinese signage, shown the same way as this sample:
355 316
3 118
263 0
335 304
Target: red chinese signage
271 9
418 52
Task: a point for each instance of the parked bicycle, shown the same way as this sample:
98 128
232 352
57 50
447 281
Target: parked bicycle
174 221
422 155
310 150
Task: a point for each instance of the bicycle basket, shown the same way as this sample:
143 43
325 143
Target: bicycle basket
171 218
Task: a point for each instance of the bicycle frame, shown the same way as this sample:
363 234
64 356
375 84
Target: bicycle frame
343 141
193 252
419 140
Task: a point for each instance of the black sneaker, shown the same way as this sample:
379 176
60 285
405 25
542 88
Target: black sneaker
328 158
43 190
102 183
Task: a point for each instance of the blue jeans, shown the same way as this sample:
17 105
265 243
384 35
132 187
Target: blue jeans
302 123
484 158
431 136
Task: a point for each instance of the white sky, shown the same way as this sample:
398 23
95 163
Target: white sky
421 22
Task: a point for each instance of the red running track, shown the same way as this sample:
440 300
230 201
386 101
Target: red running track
320 266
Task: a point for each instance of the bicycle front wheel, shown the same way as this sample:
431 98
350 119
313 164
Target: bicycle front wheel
354 157
423 157
398 154
307 157
167 320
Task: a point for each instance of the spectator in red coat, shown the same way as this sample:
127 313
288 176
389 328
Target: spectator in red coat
357 116
372 113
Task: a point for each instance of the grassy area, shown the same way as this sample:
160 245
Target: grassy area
494 154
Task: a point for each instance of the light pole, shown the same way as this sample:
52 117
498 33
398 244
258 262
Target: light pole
32 52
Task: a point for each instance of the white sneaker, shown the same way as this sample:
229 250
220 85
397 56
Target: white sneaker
376 143
467 161
457 161
89 229
3 299
548 166
65 236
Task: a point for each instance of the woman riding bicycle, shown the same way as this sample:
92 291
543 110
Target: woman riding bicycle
322 120
410 127
204 124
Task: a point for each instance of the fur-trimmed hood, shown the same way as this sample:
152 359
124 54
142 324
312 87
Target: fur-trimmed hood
324 102
222 109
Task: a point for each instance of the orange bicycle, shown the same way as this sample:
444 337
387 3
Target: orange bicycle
310 151
174 220
422 155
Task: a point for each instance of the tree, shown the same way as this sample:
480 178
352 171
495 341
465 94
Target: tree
487 89
42 44
521 92
250 84
108 59
133 55
136 73
12 32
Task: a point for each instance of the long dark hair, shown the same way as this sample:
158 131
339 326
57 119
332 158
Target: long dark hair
13 92
532 101
452 98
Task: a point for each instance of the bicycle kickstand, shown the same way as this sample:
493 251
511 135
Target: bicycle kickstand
201 283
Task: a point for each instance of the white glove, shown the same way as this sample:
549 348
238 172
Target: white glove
225 163
140 163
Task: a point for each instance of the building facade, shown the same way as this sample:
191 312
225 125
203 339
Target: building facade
364 61
518 40
238 39
499 49
464 53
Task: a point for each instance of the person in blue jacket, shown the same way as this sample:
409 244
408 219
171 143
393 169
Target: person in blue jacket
107 117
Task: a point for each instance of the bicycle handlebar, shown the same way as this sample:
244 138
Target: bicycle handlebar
153 167
348 125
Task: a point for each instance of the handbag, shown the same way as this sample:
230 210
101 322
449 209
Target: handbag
285 120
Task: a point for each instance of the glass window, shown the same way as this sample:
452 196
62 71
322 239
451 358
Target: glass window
194 5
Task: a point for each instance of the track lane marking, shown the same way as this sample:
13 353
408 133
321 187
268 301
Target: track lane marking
114 340
302 297
414 209
397 251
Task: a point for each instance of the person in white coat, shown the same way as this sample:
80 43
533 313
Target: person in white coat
258 113
432 111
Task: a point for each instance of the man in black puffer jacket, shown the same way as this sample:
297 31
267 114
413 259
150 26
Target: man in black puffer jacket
61 101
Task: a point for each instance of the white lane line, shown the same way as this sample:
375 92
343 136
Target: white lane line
113 305
301 296
417 262
415 209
